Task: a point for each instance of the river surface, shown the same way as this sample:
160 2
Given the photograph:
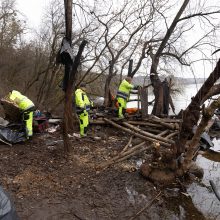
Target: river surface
200 193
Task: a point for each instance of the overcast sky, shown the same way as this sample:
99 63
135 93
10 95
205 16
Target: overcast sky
33 10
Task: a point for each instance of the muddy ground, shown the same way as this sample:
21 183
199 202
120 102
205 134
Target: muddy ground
45 184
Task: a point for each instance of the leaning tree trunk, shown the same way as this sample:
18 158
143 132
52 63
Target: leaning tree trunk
170 164
190 116
193 144
155 58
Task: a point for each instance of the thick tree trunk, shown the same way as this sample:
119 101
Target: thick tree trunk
191 115
68 107
193 144
107 100
70 72
155 61
68 118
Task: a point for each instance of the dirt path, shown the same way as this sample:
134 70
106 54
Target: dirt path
45 184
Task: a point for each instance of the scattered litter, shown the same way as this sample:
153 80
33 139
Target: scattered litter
185 194
53 129
12 133
76 135
51 147
97 138
54 120
53 142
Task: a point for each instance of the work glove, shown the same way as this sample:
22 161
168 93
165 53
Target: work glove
85 112
91 103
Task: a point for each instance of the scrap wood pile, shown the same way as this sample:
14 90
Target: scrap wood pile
157 135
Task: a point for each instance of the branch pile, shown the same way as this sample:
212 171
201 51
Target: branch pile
157 137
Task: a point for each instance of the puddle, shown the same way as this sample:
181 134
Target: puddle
134 197
201 193
200 201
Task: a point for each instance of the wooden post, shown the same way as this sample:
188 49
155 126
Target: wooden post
144 102
71 66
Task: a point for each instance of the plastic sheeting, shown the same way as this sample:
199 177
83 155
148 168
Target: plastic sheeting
7 210
13 133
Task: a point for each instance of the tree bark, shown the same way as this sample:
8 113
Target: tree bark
193 144
156 83
190 116
70 72
107 85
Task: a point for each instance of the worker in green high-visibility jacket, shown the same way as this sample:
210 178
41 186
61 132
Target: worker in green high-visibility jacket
123 95
83 105
27 107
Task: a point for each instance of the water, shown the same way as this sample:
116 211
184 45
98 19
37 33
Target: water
180 101
201 194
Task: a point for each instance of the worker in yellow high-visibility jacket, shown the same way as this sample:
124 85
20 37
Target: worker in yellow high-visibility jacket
83 105
27 107
123 95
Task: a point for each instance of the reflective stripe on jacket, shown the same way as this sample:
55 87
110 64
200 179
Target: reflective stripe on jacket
82 100
22 101
124 89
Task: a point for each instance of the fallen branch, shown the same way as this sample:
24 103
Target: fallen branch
156 137
127 145
165 124
136 152
136 134
6 142
163 133
214 189
145 123
121 155
172 134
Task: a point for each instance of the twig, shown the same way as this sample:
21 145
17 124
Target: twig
135 133
147 206
214 189
159 138
127 153
127 145
6 142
